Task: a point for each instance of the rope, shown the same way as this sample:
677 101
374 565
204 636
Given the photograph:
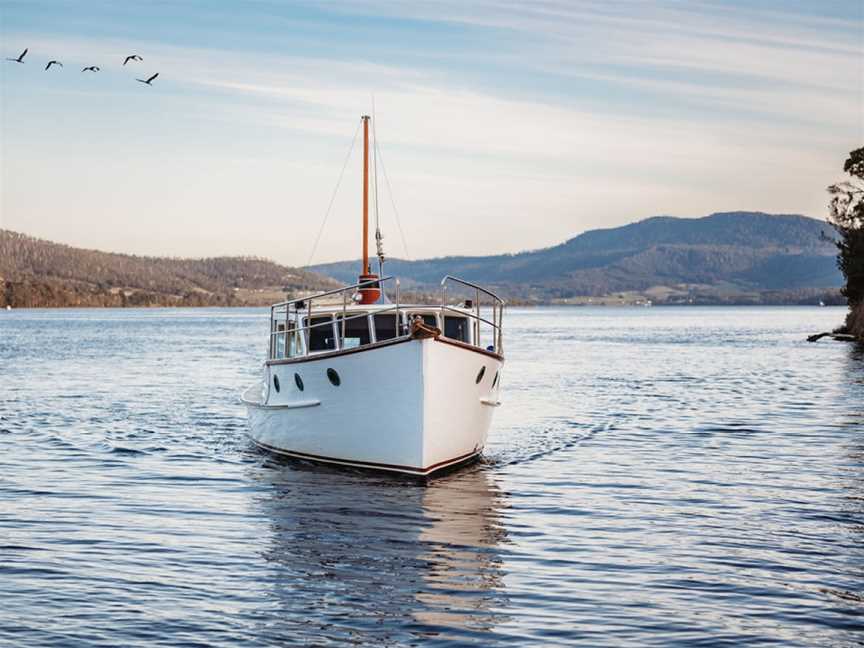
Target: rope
375 163
333 197
393 202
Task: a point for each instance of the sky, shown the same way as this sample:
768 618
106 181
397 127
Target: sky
502 126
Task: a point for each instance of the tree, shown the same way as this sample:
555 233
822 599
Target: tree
847 217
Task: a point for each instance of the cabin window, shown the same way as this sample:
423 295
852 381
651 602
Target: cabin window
385 327
295 345
356 330
321 334
280 340
286 343
456 328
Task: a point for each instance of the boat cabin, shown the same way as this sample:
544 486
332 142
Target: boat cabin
359 326
301 328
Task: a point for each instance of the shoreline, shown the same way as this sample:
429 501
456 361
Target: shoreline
3 308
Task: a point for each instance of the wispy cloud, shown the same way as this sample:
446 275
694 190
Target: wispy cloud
578 114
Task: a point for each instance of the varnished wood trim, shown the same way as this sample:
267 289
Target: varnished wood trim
470 347
378 345
339 353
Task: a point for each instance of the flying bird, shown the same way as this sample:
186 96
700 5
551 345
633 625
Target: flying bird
132 57
148 81
91 68
20 58
50 63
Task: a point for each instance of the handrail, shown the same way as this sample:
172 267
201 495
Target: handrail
296 335
497 310
468 314
473 285
330 316
335 291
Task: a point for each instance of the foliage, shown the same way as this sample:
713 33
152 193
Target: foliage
34 272
847 217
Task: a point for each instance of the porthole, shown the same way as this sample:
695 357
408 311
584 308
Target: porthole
299 381
334 377
276 382
495 380
480 375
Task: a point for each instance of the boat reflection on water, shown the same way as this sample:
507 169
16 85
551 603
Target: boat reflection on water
363 558
464 579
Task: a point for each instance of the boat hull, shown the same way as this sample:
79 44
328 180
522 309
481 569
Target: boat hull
412 406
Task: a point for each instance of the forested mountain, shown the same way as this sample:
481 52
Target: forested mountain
739 257
729 253
34 272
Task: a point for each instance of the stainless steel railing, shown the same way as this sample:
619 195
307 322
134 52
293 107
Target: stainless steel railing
291 322
497 309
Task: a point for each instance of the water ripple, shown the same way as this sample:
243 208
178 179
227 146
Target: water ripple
664 477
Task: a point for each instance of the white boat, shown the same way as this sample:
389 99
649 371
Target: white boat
357 378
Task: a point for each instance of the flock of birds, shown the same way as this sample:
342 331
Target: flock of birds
89 68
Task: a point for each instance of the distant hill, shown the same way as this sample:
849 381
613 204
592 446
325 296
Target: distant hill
34 272
737 257
722 257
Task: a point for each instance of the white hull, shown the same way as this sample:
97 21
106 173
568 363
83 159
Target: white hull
412 406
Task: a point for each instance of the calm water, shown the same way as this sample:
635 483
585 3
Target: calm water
656 477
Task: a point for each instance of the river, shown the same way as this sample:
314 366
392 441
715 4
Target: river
656 476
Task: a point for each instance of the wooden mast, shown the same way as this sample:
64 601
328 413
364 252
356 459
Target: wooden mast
365 269
368 294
